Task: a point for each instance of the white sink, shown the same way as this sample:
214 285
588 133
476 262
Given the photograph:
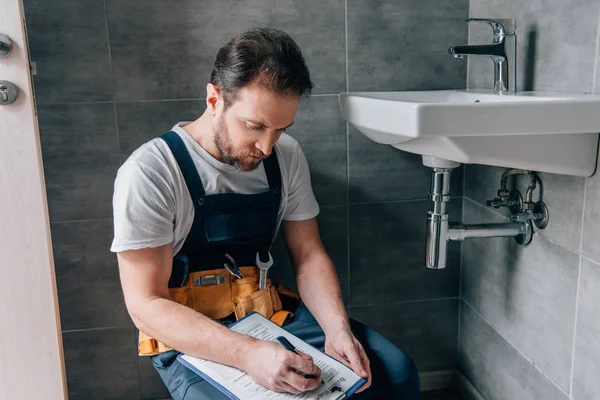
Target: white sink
539 131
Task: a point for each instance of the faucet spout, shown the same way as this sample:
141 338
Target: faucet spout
493 50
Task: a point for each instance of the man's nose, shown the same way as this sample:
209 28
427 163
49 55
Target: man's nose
266 143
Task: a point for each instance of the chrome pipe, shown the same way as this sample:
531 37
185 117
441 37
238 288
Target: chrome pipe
460 232
436 243
437 220
439 231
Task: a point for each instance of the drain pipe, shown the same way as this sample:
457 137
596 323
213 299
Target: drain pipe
440 231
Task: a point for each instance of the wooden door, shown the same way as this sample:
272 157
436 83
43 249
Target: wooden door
31 356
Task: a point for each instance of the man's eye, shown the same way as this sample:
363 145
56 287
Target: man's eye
254 127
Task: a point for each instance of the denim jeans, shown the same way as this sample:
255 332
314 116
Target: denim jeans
394 375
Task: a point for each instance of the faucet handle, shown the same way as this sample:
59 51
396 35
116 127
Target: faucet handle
502 27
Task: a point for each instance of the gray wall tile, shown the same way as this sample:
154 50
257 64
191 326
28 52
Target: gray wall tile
101 364
425 330
68 43
140 122
383 173
564 197
403 45
526 293
151 386
587 351
497 369
482 183
591 233
387 254
321 132
333 227
148 64
157 49
556 43
81 157
89 291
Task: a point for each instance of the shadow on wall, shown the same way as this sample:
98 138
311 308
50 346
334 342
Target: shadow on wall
529 69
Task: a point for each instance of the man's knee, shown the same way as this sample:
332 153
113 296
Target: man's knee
406 380
400 369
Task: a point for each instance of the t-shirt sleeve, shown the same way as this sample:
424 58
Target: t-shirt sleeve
301 204
143 208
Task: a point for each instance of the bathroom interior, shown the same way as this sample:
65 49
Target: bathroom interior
513 316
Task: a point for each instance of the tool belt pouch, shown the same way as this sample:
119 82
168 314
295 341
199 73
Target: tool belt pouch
214 294
248 298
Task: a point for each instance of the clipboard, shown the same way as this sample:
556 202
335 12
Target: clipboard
340 381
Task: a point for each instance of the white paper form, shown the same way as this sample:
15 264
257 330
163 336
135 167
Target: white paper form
241 384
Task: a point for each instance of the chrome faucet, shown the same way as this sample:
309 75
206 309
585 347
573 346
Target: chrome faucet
503 51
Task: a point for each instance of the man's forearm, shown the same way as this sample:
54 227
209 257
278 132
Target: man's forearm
190 332
319 289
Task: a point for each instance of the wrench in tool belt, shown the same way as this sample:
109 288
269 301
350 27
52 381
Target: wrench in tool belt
263 267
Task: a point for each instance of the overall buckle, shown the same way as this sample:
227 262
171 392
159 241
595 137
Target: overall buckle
209 280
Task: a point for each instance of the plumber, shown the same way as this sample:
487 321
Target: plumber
195 214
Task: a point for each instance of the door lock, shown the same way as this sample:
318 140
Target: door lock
9 93
6 46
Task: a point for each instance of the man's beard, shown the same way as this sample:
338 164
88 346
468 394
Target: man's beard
224 146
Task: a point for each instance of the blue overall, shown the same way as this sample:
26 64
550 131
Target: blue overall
241 225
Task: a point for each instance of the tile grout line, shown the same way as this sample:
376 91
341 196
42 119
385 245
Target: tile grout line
462 251
485 207
346 42
112 81
72 103
396 201
150 100
579 275
460 273
137 365
468 58
70 221
575 326
391 303
591 260
533 364
596 55
348 261
95 329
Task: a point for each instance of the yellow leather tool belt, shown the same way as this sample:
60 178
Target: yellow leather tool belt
217 294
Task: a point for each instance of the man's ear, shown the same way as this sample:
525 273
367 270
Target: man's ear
214 98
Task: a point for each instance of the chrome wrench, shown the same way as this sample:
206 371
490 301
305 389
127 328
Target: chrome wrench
263 267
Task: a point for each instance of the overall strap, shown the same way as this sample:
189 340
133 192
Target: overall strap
272 170
188 169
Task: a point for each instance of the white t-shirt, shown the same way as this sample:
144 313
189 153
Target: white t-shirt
152 205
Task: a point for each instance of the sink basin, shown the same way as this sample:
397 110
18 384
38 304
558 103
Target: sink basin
539 131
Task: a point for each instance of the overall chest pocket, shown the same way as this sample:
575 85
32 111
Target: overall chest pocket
229 224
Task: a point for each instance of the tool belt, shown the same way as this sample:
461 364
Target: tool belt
217 294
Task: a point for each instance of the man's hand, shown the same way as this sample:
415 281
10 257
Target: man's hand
272 366
344 347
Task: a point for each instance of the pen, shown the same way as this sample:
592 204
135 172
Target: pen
286 343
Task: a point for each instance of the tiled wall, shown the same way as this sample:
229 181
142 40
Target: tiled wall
115 73
529 318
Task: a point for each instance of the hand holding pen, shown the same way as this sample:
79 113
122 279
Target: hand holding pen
286 343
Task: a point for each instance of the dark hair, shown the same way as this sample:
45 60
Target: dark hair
266 54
